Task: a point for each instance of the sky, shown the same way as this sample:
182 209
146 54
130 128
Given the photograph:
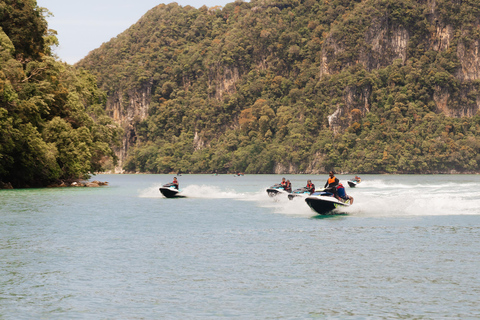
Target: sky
83 26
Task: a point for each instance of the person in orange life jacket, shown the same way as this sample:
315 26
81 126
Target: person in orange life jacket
310 186
343 194
332 183
175 182
288 186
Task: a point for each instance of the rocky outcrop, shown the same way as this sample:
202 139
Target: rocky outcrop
281 168
356 106
126 108
198 143
385 46
469 57
77 183
442 97
4 185
384 43
223 81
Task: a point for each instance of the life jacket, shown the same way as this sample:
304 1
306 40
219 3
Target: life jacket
331 180
310 187
341 191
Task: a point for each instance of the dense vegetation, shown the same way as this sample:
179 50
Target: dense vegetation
250 87
53 125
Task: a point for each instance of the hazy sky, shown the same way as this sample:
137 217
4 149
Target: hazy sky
84 25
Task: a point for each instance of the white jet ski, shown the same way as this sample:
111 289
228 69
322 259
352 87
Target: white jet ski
325 203
299 193
276 190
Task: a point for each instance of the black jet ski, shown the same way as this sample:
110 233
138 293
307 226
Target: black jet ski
353 183
169 191
276 189
323 202
299 193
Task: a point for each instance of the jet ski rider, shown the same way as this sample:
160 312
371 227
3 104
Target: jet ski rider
332 183
310 187
288 186
175 182
343 194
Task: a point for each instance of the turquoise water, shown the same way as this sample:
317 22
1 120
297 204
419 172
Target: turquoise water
408 248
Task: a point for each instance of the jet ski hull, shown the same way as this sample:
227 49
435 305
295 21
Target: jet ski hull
325 204
352 183
170 192
298 193
276 190
273 192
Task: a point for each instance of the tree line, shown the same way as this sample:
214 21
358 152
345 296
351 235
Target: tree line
53 125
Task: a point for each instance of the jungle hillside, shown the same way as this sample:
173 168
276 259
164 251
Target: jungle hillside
297 86
53 124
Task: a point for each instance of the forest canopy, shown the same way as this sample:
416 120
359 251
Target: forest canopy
53 125
298 86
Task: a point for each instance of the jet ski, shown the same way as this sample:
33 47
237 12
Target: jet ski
325 203
299 193
276 189
353 182
169 191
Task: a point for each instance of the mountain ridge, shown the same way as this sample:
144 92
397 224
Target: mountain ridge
297 86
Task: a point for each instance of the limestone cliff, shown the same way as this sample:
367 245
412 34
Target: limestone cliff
126 108
382 43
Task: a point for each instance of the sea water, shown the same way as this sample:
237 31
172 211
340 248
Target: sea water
409 247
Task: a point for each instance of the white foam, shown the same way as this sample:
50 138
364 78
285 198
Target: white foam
210 192
193 191
379 198
374 198
151 192
416 200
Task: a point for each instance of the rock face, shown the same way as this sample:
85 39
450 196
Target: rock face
125 108
5 185
224 82
383 45
357 105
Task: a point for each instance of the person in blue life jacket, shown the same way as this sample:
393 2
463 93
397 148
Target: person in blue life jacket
310 187
175 182
342 194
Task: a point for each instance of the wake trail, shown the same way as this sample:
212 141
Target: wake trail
195 191
373 198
